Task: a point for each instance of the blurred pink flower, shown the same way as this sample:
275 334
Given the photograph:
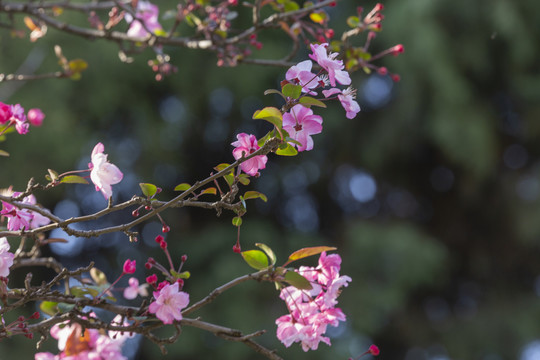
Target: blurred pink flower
329 63
35 117
103 174
245 145
134 289
169 303
6 258
300 123
148 14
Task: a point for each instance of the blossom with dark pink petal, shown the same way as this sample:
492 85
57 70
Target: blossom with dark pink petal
244 146
329 63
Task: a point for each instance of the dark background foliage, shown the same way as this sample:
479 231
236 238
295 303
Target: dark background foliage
432 194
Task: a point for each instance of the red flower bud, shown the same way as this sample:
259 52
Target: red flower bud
165 229
129 266
159 239
374 350
152 279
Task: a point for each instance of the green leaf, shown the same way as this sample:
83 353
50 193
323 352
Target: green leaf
256 259
292 91
254 195
268 252
353 21
149 190
49 307
265 138
237 221
291 6
73 179
182 187
4 153
222 166
53 174
182 275
318 17
244 179
273 91
210 190
270 114
286 150
308 101
297 280
309 251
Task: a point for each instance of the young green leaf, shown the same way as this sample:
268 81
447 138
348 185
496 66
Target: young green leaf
256 259
308 101
148 190
210 190
286 150
297 280
269 252
292 91
73 179
254 195
237 221
270 114
182 187
182 275
49 307
305 252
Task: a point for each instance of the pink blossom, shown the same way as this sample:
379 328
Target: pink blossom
301 123
35 117
75 343
18 116
347 100
38 220
330 64
300 74
6 258
103 174
5 113
130 266
148 14
19 219
169 303
134 289
246 145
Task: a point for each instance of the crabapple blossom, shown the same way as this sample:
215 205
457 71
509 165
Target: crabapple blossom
130 266
245 145
88 344
23 218
103 174
329 63
311 311
301 123
134 289
6 258
148 14
347 100
35 117
169 303
300 74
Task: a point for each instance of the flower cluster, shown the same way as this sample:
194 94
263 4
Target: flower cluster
13 115
311 311
19 219
88 344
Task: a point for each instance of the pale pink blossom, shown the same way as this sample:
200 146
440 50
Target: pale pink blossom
134 289
35 117
103 174
19 219
246 145
146 19
6 258
329 63
300 74
347 100
169 303
301 123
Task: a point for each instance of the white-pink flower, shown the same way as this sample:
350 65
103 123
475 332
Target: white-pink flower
169 303
146 19
6 258
134 289
103 174
246 145
329 63
19 219
301 123
347 100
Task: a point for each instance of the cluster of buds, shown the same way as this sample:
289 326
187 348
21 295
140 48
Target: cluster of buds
13 115
19 326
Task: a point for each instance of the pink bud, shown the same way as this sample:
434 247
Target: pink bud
135 213
152 279
236 248
35 117
398 49
159 239
395 77
165 229
374 350
382 70
35 315
163 244
183 258
162 285
378 7
129 266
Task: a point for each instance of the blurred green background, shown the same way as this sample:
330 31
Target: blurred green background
432 194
